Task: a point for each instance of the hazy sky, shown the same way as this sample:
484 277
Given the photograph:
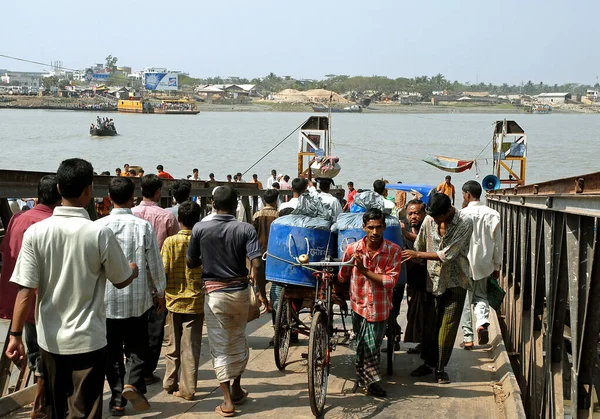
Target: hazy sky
554 41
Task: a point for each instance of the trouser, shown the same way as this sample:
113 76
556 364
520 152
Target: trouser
33 350
183 352
481 308
74 382
415 316
133 334
442 318
156 334
369 337
397 296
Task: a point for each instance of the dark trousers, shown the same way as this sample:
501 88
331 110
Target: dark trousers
156 335
133 334
74 382
442 318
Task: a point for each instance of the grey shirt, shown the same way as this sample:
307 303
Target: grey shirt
223 243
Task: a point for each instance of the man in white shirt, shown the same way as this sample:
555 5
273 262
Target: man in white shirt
485 258
299 186
389 207
330 201
272 179
68 258
127 310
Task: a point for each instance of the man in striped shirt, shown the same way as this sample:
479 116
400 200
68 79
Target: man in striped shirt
377 264
127 309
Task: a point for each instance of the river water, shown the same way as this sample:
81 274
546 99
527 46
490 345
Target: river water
370 146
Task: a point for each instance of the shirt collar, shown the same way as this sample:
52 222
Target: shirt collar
383 249
148 204
185 232
43 208
474 204
224 217
117 211
71 212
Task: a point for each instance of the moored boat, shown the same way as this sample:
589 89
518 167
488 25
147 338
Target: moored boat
347 109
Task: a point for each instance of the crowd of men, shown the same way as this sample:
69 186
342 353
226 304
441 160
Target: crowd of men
103 290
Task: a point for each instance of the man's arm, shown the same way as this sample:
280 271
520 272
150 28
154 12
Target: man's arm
497 256
345 271
155 263
134 274
194 257
15 349
114 261
258 268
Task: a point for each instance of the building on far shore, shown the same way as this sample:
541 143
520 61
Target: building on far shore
553 98
21 78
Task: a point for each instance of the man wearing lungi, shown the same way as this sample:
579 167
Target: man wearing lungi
377 264
221 245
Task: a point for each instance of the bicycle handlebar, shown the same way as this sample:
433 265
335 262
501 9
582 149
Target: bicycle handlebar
324 264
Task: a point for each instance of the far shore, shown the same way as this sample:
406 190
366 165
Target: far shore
97 105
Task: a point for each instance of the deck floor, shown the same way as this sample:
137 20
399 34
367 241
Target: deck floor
275 393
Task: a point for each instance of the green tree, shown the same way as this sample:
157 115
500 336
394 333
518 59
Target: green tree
111 63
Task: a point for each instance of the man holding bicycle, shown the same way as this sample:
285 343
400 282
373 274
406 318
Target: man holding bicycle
377 264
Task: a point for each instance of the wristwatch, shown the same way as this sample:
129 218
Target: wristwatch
18 334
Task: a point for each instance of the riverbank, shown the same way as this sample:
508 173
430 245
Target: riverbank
99 104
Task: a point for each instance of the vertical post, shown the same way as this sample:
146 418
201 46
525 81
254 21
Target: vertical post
247 209
203 206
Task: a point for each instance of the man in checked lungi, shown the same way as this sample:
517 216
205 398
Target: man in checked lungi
377 264
443 242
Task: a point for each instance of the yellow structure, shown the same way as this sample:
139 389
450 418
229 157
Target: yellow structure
135 106
509 147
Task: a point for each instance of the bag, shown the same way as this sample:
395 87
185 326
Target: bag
254 304
495 294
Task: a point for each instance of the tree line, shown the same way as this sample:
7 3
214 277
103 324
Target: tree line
424 85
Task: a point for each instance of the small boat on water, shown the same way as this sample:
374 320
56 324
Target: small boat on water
540 108
103 132
449 164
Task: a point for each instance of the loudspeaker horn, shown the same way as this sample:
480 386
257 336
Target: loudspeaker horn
490 183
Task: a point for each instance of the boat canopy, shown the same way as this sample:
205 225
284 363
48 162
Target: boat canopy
424 190
449 164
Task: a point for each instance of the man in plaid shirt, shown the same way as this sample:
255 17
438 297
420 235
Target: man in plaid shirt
377 264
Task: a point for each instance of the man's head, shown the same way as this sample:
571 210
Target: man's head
440 208
181 190
126 167
274 173
374 225
188 214
415 212
211 176
48 191
228 178
276 185
448 179
160 168
132 172
118 171
471 191
121 191
299 186
271 196
350 186
141 173
255 177
325 185
195 173
151 185
379 187
225 199
74 177
286 178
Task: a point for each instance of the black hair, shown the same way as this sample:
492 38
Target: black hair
132 172
299 185
448 177
325 184
273 171
188 213
211 175
473 187
150 184
225 198
379 186
286 211
255 176
439 204
276 185
271 196
228 176
121 189
160 167
194 170
286 178
73 176
416 202
47 190
181 190
350 184
118 169
105 173
373 214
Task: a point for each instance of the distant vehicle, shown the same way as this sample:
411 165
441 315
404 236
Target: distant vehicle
33 91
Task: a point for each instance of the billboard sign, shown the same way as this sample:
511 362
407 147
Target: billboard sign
160 81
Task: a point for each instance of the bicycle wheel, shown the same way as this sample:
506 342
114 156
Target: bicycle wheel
283 331
318 363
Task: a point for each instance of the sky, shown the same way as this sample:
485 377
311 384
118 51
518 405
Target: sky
508 41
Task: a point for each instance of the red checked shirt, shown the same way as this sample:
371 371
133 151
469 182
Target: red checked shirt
368 299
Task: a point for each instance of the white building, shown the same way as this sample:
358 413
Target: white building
553 98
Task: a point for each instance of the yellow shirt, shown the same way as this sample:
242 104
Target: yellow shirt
185 289
446 189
